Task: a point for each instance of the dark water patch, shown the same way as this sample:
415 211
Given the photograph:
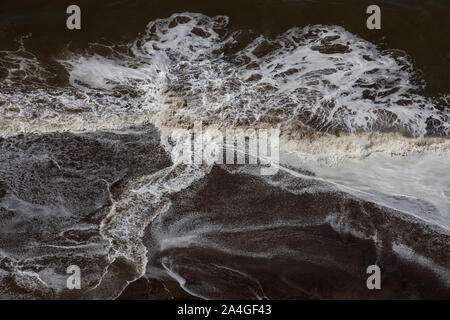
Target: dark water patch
234 236
60 187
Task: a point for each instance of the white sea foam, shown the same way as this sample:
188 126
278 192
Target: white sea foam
415 184
184 68
311 83
305 81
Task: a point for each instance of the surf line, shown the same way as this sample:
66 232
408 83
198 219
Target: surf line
357 192
198 146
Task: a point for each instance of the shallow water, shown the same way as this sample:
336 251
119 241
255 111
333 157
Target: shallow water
92 169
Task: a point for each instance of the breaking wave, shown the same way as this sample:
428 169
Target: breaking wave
336 98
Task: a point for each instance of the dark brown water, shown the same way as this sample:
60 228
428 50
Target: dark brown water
421 28
85 179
